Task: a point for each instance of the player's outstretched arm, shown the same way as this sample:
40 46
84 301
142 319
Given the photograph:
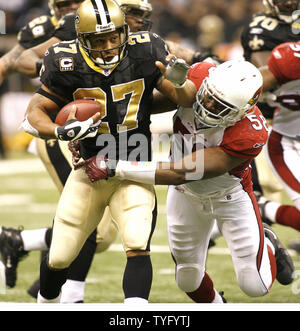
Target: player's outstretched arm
8 61
29 63
202 164
269 80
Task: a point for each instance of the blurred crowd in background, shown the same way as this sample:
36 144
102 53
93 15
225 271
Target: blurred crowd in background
188 21
213 25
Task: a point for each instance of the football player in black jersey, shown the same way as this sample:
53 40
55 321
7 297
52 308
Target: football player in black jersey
55 157
276 25
36 32
53 154
118 71
279 23
137 15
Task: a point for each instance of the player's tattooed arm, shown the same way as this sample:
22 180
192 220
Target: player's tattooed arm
8 61
182 94
29 62
181 52
37 120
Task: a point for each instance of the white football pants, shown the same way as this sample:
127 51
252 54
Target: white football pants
190 221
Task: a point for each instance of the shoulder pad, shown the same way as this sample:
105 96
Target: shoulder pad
147 45
284 62
36 31
66 28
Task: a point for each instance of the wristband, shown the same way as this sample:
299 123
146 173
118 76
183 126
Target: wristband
180 86
27 127
141 172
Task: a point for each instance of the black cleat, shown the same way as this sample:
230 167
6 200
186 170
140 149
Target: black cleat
285 266
262 201
295 245
34 288
11 249
211 243
222 296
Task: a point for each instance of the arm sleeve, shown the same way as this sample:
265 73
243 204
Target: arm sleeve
53 78
242 149
243 140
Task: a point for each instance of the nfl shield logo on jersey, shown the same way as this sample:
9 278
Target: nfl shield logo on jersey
106 72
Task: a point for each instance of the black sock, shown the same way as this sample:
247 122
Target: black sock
48 237
137 278
81 265
51 281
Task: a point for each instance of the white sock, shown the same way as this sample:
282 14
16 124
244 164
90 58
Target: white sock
41 299
271 210
135 301
72 291
218 298
34 240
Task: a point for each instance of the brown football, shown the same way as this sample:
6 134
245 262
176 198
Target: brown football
85 109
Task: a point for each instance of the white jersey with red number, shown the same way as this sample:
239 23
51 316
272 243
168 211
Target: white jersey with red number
284 63
244 140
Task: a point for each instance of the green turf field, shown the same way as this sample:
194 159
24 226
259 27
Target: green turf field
28 198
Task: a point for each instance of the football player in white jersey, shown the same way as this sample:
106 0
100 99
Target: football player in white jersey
216 138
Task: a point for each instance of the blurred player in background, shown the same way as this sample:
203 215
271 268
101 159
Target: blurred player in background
36 32
278 24
224 131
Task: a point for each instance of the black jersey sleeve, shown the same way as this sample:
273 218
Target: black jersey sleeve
144 49
36 31
160 49
57 72
66 28
158 52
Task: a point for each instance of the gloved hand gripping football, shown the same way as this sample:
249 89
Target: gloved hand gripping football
77 130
